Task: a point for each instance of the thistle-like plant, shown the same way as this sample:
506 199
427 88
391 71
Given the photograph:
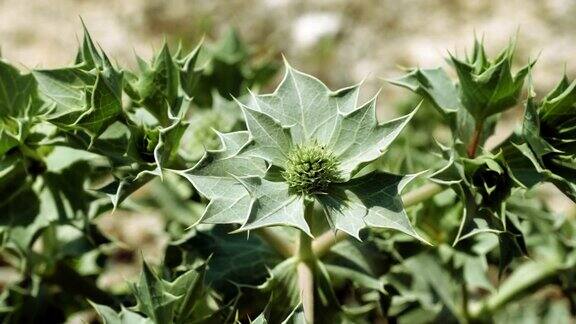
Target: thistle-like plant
305 145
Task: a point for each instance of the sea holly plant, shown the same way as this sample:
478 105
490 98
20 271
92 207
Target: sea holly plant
305 145
310 142
281 207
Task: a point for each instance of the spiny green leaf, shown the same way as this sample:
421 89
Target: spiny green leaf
153 298
125 316
434 85
157 86
88 55
360 139
86 96
106 106
282 287
18 94
272 142
234 258
306 106
183 300
221 169
273 204
65 88
488 87
20 107
548 129
372 200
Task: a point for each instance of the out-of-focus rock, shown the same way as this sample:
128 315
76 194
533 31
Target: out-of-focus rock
310 28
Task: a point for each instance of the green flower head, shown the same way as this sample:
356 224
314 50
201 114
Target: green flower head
304 142
310 169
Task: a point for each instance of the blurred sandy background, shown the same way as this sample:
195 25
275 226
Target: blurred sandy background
342 40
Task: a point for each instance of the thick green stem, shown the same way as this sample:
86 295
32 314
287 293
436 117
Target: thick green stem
276 241
521 282
305 268
475 141
421 194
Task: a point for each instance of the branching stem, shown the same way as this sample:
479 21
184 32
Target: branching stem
306 260
519 289
473 145
276 241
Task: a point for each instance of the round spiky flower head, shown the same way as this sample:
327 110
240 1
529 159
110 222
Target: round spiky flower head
310 169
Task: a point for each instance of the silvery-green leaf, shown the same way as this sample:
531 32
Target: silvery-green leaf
307 106
358 138
106 106
273 204
65 88
435 85
270 140
372 200
221 169
18 93
125 316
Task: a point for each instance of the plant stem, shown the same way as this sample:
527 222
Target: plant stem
473 145
305 268
517 286
276 241
306 287
326 241
421 194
